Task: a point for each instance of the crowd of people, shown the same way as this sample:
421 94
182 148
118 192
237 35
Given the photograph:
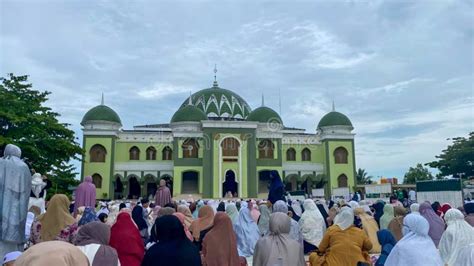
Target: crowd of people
273 231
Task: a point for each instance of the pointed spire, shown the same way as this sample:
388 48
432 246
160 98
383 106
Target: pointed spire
215 77
333 106
190 101
279 101
263 100
102 100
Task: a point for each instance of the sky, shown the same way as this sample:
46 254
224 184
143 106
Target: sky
402 71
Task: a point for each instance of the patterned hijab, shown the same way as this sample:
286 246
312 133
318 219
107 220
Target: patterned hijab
88 216
56 218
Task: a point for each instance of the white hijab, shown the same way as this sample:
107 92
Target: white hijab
458 235
466 256
296 205
414 208
415 237
345 218
37 184
312 225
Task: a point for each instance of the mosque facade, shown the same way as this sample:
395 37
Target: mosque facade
215 144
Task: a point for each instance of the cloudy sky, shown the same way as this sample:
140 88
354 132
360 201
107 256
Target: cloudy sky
401 70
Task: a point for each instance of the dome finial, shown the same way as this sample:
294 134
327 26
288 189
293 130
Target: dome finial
263 100
333 106
215 77
190 101
102 100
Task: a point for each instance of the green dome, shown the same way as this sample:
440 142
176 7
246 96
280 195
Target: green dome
334 119
188 113
264 115
216 102
101 113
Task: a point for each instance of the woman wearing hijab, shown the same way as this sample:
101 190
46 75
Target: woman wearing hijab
93 240
188 216
199 205
51 253
436 223
343 243
85 194
436 206
103 217
137 216
295 234
416 247
331 215
88 216
466 256
221 207
220 245
293 214
172 247
232 212
387 242
278 248
415 208
469 209
246 231
387 216
254 210
264 219
378 211
312 226
126 239
444 208
277 188
369 225
458 234
56 223
296 206
396 224
182 220
202 225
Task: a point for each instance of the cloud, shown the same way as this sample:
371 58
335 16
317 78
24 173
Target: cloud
161 90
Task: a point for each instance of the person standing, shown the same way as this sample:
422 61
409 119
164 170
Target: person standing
15 185
412 195
277 189
163 194
36 199
85 194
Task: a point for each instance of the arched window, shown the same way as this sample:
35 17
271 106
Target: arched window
291 154
342 181
265 149
340 155
97 154
230 147
151 153
167 153
97 180
134 153
190 148
306 154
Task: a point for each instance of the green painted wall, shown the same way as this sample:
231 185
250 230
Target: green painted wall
317 152
122 150
337 169
105 169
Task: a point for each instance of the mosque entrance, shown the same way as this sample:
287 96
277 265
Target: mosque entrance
229 184
263 181
118 188
190 183
133 188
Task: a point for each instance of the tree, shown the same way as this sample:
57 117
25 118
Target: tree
63 179
46 144
457 159
418 173
362 177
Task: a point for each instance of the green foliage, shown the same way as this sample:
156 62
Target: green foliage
362 177
63 179
26 122
418 173
457 158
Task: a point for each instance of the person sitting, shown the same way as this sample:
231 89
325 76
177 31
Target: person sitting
436 223
370 227
172 247
458 234
312 226
469 209
88 216
278 248
93 240
387 241
103 217
246 231
295 233
49 253
343 243
396 224
202 225
56 224
126 239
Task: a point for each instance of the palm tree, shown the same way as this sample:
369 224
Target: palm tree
362 177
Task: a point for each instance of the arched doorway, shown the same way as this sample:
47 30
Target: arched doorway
230 184
118 188
263 181
151 186
342 181
133 188
190 183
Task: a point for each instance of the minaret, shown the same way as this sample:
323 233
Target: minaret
102 100
190 101
215 85
263 100
333 106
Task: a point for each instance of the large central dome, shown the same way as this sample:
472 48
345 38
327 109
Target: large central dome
219 103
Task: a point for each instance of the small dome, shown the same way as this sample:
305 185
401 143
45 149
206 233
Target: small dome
101 113
334 119
264 114
188 113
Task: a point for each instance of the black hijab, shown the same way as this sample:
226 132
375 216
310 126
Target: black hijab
221 207
173 247
137 216
378 207
277 188
323 212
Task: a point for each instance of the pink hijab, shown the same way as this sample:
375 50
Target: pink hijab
85 194
181 219
254 212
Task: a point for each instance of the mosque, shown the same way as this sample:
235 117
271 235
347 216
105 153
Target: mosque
215 143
